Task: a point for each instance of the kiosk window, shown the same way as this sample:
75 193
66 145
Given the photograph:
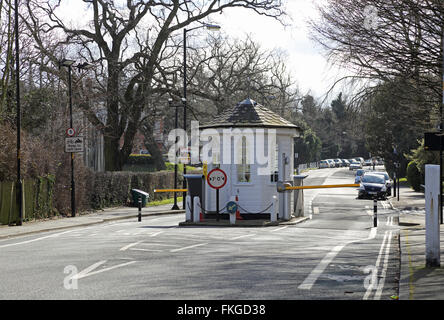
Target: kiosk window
243 169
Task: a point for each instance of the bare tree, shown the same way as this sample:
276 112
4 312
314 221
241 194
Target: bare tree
226 71
128 75
381 40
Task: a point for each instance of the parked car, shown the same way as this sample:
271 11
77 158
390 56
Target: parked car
372 186
345 162
359 174
331 163
324 164
368 162
354 165
338 163
388 181
360 159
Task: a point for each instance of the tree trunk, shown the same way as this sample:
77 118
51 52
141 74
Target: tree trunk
156 153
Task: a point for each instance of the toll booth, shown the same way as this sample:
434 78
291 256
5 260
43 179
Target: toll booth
255 147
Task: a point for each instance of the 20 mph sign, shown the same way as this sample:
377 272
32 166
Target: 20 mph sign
216 178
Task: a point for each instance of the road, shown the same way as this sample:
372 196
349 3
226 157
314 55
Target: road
335 255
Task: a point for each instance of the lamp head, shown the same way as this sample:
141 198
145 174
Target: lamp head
67 62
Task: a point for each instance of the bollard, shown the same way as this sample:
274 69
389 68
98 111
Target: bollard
273 216
140 209
394 185
196 209
188 208
375 213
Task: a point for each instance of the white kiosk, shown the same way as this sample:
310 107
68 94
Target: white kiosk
256 150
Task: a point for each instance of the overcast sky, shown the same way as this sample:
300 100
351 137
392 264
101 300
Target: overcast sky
306 60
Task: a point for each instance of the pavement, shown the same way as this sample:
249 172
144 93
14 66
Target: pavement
417 282
84 219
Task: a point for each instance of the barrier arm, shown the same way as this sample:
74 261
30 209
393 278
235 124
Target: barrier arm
170 190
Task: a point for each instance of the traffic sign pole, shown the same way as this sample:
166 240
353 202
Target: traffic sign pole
217 204
217 179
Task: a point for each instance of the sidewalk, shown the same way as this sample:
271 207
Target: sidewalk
96 217
416 281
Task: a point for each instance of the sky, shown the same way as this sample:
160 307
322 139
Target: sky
306 60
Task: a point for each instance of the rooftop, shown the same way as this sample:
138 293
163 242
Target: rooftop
249 113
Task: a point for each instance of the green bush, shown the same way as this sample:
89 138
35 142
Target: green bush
414 176
140 159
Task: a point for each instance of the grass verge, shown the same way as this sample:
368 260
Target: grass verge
162 202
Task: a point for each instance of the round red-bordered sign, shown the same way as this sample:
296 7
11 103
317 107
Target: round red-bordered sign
70 132
217 178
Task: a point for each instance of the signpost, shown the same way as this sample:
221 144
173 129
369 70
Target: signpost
217 179
74 144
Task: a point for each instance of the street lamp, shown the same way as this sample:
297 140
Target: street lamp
69 64
19 194
175 206
211 27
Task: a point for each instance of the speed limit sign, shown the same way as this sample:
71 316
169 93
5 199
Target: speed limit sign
216 178
70 132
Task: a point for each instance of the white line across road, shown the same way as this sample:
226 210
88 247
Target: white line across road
130 246
316 272
34 240
279 229
244 236
189 247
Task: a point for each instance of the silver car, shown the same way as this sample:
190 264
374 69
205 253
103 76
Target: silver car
324 164
388 181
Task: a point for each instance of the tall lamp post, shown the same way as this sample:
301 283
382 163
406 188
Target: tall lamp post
211 27
175 206
19 194
69 64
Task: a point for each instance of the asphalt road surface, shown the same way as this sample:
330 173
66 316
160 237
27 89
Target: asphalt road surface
337 254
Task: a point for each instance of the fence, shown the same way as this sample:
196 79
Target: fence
37 200
311 165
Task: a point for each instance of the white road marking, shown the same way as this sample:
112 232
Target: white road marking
244 236
159 244
157 233
34 240
378 260
278 229
316 272
384 270
189 247
130 246
150 250
87 273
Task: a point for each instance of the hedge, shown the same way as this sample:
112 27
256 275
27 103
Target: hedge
414 176
107 189
114 188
